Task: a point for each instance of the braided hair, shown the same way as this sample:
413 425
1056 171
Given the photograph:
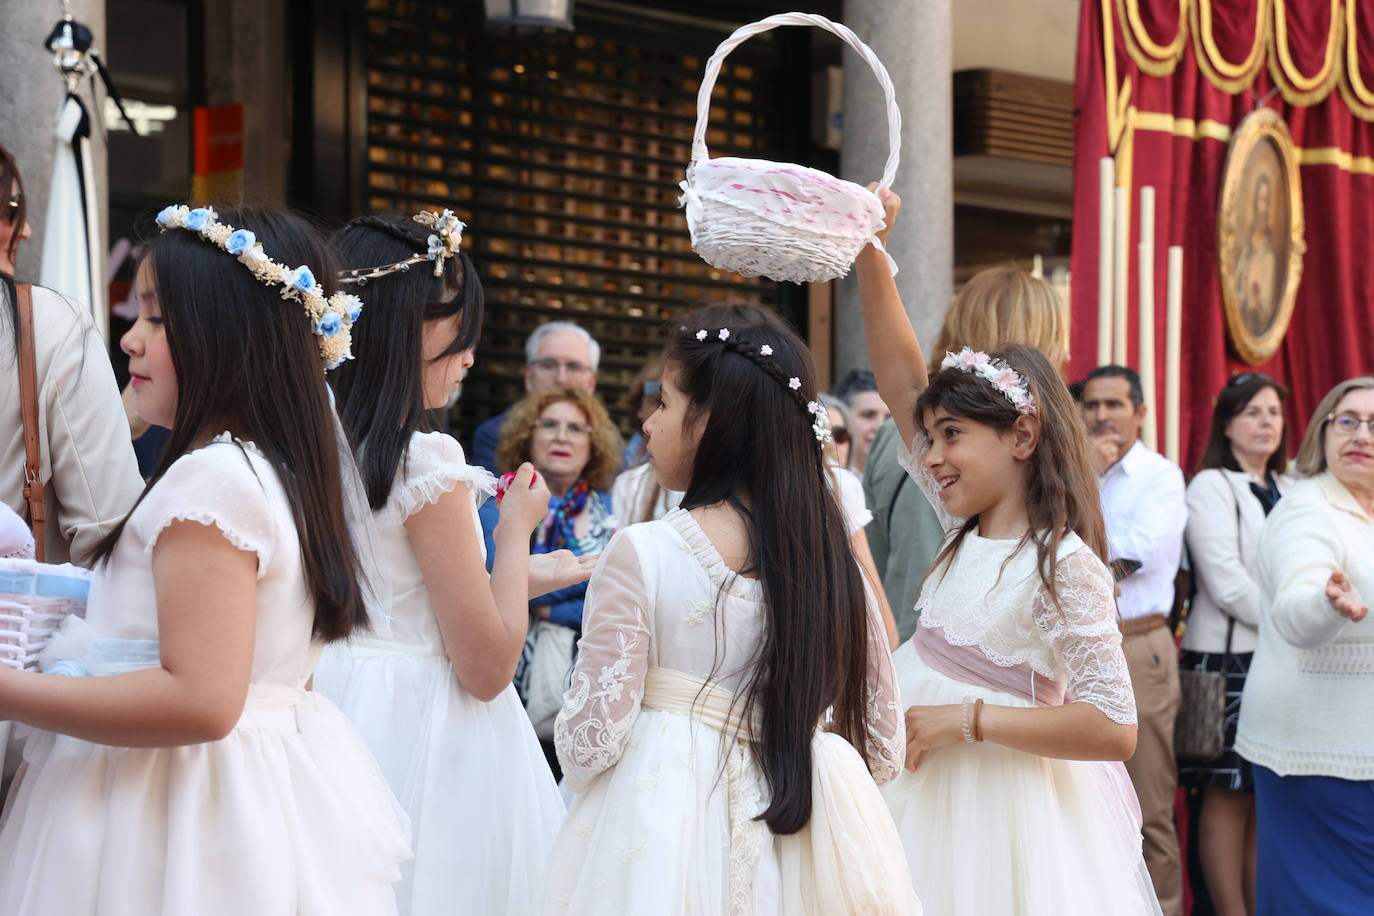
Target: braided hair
750 382
380 393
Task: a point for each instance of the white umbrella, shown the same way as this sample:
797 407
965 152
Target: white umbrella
72 257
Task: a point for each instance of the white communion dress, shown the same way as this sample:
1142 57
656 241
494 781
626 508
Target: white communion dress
988 829
287 814
483 805
650 739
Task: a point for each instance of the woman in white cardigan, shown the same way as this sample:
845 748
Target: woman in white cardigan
1306 722
1241 480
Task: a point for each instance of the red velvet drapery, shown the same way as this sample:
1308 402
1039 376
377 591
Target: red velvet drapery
1160 85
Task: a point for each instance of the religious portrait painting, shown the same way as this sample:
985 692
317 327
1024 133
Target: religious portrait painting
1260 235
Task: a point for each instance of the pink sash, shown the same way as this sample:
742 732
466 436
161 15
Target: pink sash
969 665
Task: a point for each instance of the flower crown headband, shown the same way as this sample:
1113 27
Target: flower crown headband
820 417
331 319
1002 376
444 243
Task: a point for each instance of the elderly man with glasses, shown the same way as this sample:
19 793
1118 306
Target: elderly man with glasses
556 353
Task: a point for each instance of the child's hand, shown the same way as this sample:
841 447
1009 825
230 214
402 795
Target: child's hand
525 501
1345 598
929 727
558 569
891 204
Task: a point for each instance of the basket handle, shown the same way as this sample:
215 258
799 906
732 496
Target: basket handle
708 81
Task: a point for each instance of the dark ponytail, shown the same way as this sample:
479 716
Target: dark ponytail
380 392
758 453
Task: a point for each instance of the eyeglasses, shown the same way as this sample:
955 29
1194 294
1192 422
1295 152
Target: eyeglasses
573 430
552 366
1246 378
1348 424
16 200
840 434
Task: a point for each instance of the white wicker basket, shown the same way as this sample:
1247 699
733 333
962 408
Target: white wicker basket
774 219
34 599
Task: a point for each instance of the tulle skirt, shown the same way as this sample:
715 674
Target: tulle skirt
990 831
286 815
652 834
483 805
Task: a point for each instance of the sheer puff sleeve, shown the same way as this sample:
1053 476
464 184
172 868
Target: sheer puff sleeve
607 682
216 486
434 465
884 722
1084 637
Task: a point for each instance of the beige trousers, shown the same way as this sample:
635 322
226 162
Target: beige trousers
1153 661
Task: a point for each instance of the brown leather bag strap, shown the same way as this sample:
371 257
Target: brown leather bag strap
28 403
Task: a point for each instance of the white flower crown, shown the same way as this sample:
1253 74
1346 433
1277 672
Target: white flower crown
331 319
444 243
1002 376
820 423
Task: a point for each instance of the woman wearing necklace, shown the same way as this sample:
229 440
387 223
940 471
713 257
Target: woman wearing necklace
1241 480
572 443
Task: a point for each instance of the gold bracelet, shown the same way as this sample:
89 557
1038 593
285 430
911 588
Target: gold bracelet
978 720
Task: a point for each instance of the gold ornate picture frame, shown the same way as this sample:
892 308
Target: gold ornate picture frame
1260 235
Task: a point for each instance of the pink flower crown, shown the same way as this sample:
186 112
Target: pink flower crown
1002 376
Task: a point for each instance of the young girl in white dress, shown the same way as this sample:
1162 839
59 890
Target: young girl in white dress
188 770
1014 684
434 699
733 688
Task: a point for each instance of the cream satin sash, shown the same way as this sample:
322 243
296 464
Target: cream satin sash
847 859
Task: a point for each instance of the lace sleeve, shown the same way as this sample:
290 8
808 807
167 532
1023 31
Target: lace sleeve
607 682
1084 637
884 723
912 461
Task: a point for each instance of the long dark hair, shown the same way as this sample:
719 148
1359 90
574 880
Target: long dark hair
1235 396
248 362
381 392
11 182
757 445
1061 489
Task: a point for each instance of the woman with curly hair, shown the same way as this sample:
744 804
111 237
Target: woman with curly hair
572 443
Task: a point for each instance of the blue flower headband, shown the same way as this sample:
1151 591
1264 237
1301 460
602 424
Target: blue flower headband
331 319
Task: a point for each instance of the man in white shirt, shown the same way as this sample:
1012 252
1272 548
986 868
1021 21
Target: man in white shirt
1146 511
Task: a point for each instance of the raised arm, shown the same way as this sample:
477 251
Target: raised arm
607 682
893 349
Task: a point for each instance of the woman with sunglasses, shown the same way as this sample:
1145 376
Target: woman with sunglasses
1305 722
1240 481
572 443
86 461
